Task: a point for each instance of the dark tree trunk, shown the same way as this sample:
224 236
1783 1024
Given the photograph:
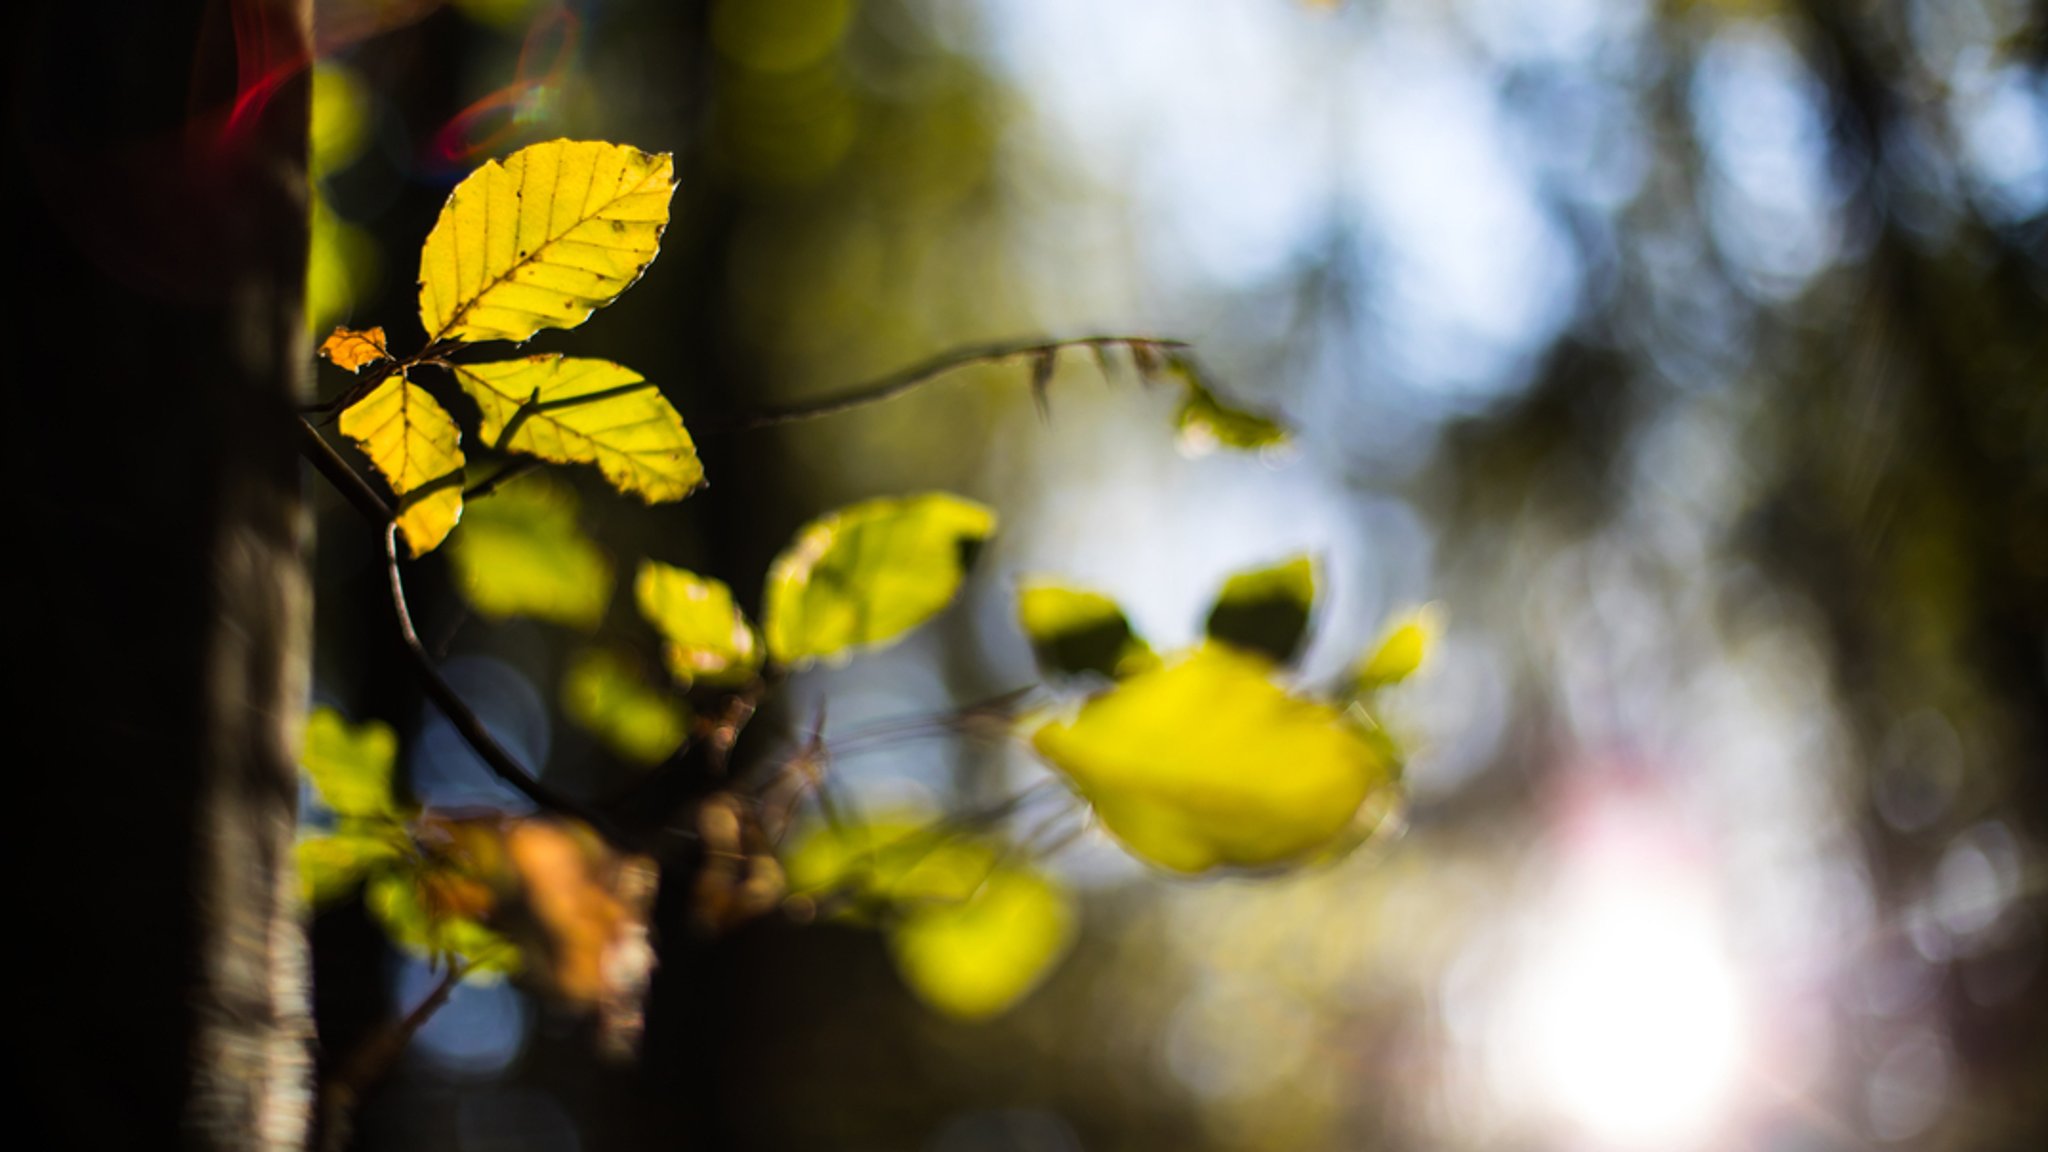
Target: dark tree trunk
157 594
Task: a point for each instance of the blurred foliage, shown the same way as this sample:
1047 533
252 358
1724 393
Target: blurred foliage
864 575
521 553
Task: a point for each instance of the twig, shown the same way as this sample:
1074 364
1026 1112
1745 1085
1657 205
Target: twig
1145 348
346 480
373 1058
466 722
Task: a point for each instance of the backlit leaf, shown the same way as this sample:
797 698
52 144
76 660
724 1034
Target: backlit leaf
1073 630
602 695
542 240
520 553
973 959
415 445
1208 763
866 574
705 636
350 765
577 411
1401 650
971 932
330 867
1266 610
351 349
1205 421
426 914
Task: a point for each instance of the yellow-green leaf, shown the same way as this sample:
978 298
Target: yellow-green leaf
1208 763
521 554
1073 630
578 411
351 348
603 695
1401 650
974 959
865 575
1205 421
350 765
418 919
415 445
706 638
970 932
1266 610
542 240
330 867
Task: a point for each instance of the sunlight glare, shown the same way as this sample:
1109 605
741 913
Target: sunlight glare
1629 1016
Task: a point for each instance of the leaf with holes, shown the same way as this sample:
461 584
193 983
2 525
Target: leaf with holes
415 445
863 576
579 411
542 240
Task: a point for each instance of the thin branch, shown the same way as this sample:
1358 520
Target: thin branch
346 480
372 1060
466 722
1145 348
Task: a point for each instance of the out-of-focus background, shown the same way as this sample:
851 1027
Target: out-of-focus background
1690 355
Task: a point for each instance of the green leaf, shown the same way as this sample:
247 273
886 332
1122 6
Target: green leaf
974 959
415 445
330 867
1073 631
351 766
521 554
1266 610
602 695
1401 650
706 638
863 576
581 411
1208 763
971 932
543 240
418 917
1205 421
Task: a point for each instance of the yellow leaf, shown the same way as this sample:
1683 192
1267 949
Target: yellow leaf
973 959
330 867
1401 649
602 695
521 554
1206 421
417 448
1266 610
1208 763
706 637
577 411
865 575
425 913
543 240
350 765
970 932
1074 630
351 349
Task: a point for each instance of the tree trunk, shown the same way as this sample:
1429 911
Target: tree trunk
159 598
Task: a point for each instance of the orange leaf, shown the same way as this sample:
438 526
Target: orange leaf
351 348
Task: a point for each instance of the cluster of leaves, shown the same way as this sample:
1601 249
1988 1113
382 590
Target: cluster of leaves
1194 762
